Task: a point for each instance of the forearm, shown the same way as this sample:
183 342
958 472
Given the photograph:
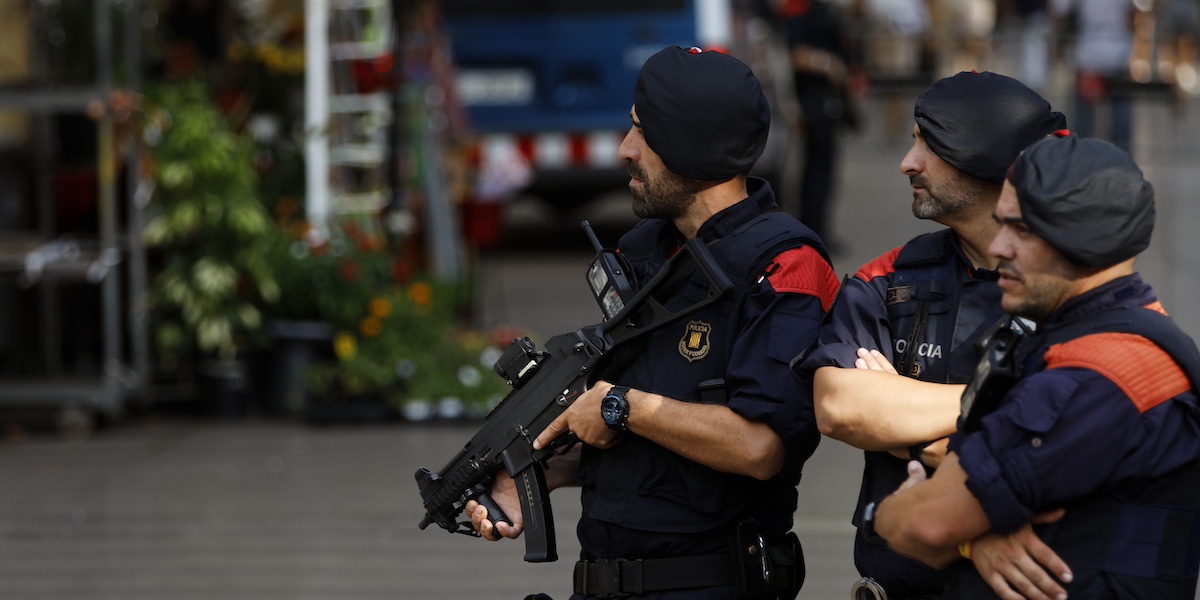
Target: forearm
928 521
880 411
711 435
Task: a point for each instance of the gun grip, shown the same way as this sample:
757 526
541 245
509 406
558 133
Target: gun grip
495 514
540 544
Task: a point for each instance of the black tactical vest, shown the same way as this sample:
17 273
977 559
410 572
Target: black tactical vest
638 484
936 315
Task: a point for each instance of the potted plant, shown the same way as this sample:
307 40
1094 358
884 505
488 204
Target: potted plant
323 285
205 225
407 347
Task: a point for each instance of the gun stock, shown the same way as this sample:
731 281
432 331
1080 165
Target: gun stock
546 382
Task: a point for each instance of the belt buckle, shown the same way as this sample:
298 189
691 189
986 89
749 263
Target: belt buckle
608 577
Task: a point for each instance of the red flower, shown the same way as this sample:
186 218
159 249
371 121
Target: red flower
349 270
401 271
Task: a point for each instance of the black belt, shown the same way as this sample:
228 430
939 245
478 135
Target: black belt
610 578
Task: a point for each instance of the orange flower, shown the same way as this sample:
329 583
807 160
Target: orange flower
380 308
286 207
370 326
344 346
420 293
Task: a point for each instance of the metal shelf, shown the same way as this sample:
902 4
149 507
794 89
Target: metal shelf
49 101
43 260
103 394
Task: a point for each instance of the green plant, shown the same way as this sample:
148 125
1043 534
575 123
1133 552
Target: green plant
406 343
206 223
326 280
397 336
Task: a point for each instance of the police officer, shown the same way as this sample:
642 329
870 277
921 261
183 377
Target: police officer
920 309
1102 421
700 439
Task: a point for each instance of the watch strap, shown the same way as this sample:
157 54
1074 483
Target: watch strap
617 392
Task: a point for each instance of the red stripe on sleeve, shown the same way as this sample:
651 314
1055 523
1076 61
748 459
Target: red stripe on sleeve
884 265
803 271
1143 371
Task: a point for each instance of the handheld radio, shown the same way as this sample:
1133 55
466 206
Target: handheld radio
608 276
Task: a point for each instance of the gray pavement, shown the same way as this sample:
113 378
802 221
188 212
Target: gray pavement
173 508
263 511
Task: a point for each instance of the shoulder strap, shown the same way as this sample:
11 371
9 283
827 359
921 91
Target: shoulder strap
925 250
1146 322
745 257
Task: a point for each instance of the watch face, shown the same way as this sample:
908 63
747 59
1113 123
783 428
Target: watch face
610 411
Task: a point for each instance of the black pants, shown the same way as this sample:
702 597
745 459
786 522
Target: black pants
822 119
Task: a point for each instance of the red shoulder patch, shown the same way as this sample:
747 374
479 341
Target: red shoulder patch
884 265
803 271
1156 306
1143 371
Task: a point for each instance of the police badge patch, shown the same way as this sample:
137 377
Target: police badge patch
694 345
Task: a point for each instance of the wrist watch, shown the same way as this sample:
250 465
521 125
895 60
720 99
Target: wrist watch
867 529
614 408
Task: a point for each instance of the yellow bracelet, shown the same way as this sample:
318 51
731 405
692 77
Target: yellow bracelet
964 549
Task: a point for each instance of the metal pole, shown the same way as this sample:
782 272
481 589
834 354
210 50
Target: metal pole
440 221
316 113
139 196
109 252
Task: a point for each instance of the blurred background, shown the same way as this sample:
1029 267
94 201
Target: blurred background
257 257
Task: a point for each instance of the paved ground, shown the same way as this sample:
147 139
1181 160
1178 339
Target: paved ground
171 508
194 510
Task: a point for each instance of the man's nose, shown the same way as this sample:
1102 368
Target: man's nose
911 164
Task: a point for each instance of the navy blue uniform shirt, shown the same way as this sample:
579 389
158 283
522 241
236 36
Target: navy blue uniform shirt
641 500
1109 431
877 309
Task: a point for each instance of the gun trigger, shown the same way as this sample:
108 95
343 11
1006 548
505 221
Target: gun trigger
564 443
465 528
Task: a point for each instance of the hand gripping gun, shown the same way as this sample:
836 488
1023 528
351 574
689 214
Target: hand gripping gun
545 382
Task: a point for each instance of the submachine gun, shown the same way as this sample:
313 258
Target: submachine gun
545 382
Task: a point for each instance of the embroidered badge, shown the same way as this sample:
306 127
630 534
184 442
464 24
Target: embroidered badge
694 345
899 294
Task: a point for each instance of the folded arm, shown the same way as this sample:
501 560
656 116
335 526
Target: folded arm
926 519
879 411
